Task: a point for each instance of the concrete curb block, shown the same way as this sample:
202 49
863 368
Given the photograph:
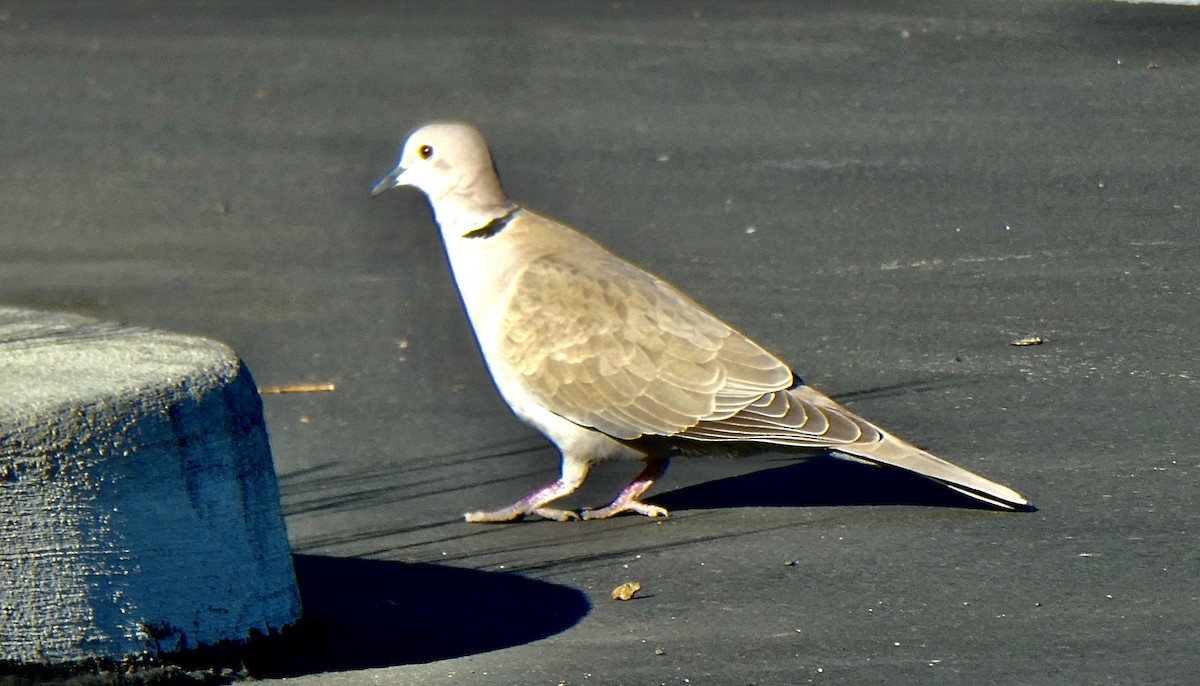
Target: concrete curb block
139 510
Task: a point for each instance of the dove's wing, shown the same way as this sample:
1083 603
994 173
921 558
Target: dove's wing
606 345
800 417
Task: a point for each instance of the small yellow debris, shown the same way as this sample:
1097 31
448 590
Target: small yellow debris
297 388
1028 340
626 590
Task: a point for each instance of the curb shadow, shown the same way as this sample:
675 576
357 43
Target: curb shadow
362 614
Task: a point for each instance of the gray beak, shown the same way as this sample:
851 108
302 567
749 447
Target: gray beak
388 182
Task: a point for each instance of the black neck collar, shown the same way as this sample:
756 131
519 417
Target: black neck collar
493 227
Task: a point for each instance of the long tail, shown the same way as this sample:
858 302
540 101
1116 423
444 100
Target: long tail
891 451
894 452
803 417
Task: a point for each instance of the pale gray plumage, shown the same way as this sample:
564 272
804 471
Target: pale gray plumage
611 362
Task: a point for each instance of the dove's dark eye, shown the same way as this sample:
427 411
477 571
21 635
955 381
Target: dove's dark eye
425 152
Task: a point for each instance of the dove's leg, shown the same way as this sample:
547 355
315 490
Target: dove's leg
627 499
573 473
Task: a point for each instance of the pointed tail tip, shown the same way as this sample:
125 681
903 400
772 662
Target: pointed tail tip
1000 497
1022 505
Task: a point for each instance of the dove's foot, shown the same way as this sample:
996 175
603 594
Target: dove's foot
627 499
510 514
631 505
535 503
556 514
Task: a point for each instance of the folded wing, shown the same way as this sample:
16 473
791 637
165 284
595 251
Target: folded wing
609 346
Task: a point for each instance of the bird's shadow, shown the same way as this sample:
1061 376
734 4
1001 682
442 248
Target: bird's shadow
361 614
814 482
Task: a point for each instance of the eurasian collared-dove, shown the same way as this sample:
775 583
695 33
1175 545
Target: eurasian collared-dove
611 362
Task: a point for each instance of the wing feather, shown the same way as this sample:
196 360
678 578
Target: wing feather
606 345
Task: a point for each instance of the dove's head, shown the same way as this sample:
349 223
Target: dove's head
449 162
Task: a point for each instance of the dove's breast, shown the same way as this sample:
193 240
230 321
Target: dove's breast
487 269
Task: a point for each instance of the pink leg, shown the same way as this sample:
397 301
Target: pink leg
627 499
573 474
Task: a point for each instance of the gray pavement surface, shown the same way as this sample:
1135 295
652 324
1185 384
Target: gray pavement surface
883 193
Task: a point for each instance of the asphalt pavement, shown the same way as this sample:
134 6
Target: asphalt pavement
885 194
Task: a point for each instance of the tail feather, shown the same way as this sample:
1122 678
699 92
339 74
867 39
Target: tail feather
893 452
888 450
803 417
